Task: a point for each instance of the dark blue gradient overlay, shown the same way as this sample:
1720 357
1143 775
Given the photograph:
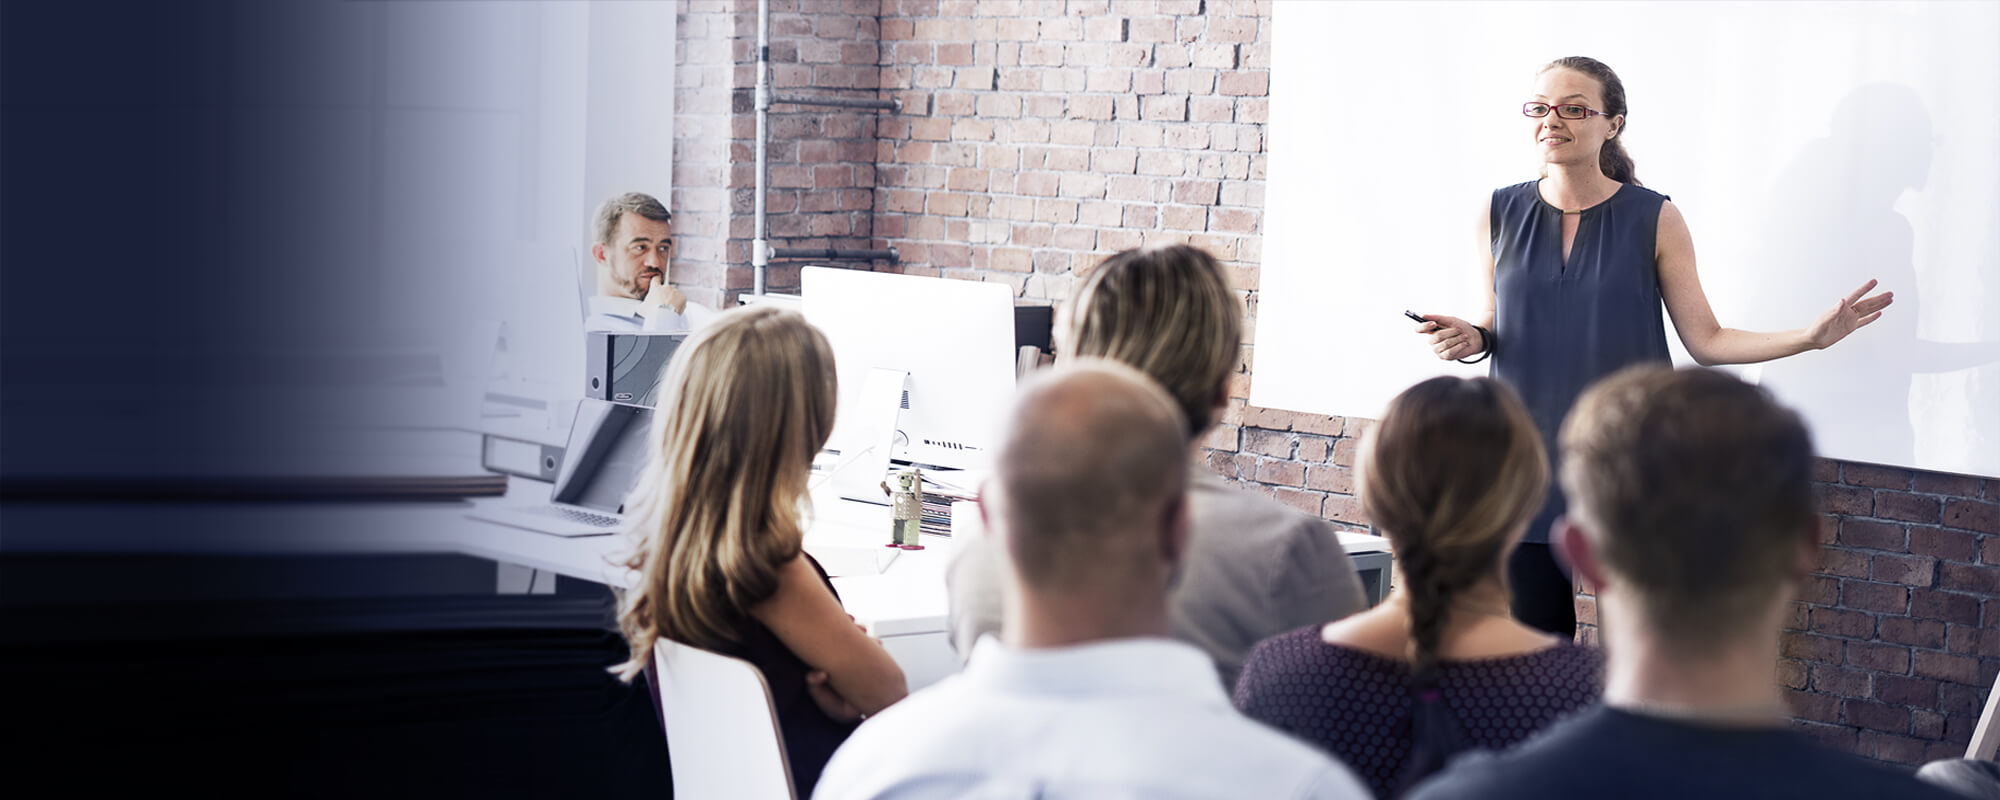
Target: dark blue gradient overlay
187 279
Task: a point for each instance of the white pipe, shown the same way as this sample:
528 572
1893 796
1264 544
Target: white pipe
760 255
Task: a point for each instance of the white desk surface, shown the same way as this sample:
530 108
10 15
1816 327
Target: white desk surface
905 605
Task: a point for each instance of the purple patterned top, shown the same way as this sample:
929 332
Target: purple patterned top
1356 705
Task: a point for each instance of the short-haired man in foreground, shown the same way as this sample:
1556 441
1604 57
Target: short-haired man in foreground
1087 696
633 251
1691 511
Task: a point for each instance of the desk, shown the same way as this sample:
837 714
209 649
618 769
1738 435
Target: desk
905 606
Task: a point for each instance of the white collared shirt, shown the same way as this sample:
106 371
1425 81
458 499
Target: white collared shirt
1121 718
610 313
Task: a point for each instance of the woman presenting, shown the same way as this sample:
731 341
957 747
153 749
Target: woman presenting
1578 264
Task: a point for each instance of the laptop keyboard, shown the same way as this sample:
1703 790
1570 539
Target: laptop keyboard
588 518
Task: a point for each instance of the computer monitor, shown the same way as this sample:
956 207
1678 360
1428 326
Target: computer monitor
954 339
606 453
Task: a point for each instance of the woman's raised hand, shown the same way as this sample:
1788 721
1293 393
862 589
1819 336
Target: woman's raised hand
1451 338
1848 315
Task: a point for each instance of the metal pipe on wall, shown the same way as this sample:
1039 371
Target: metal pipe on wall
760 256
761 251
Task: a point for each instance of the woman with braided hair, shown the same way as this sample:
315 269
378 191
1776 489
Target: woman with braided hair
1451 475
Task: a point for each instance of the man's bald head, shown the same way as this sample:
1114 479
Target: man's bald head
1091 477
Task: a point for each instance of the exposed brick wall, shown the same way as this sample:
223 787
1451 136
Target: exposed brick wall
821 161
1041 135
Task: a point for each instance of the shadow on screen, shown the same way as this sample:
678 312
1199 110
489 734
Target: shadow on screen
1833 226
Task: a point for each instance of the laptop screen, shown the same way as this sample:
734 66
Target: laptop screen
606 452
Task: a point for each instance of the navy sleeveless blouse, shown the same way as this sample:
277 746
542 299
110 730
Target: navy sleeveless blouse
1561 326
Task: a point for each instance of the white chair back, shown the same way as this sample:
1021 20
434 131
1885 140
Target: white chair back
722 732
1986 735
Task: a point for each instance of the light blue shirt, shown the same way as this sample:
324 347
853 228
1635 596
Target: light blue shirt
622 314
1120 718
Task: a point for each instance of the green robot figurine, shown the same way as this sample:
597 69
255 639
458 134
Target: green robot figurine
906 505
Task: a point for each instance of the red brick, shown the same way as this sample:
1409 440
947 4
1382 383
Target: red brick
1873 535
1843 682
1989 550
1320 424
1822 649
1815 707
1821 590
1853 625
1957 700
1973 515
1791 673
1944 606
1330 479
1958 728
1879 597
1914 632
1878 657
1314 448
1345 450
1911 507
1946 667
1276 444
1243 83
1875 477
1344 509
1825 470
1844 563
1907 570
1845 500
1966 578
1962 640
1944 544
1281 473
1920 692
1308 502
1953 485
1877 716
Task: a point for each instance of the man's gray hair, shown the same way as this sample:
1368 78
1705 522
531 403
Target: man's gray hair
608 214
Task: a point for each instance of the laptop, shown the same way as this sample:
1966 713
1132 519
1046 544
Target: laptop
606 452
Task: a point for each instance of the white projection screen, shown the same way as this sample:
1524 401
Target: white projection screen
1811 146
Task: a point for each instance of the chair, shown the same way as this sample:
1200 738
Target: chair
1985 738
722 733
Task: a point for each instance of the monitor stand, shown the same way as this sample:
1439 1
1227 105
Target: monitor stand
865 455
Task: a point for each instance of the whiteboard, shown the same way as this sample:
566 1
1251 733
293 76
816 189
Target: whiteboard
1810 146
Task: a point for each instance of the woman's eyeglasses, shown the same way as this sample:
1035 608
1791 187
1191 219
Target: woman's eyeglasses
1564 110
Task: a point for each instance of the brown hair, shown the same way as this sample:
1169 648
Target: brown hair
605 222
1166 311
1613 159
1696 489
748 401
1451 475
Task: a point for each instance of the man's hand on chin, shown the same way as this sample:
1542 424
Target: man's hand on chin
660 294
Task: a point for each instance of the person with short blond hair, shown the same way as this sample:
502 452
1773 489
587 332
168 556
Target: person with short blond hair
1691 510
1255 568
1084 693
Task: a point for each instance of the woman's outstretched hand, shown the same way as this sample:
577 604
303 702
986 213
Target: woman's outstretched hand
1848 316
1451 338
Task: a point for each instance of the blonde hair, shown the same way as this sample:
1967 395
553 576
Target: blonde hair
1166 311
748 402
1452 474
1696 489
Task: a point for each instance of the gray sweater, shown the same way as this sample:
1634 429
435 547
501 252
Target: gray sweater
1255 568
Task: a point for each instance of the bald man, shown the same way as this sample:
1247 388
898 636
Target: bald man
1085 693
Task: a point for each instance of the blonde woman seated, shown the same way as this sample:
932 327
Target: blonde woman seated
746 404
1451 475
